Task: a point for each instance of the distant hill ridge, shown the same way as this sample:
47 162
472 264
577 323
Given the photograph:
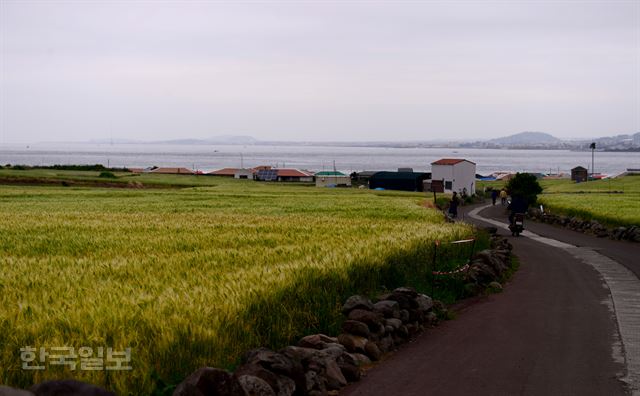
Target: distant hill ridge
527 138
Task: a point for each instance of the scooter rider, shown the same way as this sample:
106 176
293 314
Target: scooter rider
518 204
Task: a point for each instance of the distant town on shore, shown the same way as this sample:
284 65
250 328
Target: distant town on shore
523 140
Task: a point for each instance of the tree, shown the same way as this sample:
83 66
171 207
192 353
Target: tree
525 185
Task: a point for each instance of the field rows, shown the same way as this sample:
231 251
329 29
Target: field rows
196 276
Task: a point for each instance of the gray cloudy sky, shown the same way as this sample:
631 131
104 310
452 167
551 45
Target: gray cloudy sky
321 70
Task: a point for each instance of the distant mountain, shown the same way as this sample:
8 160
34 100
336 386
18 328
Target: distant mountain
527 138
224 139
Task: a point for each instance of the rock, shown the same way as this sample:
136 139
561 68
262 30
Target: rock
386 344
388 308
334 351
432 319
316 341
356 302
403 332
409 291
315 383
334 376
404 315
356 328
353 343
404 300
373 351
425 303
393 322
440 309
372 319
68 388
7 391
495 286
416 315
255 386
299 354
209 381
282 385
362 360
277 363
351 372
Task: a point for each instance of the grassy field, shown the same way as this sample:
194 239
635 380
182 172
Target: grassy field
53 176
195 276
611 201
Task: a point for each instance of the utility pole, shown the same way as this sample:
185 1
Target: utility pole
592 146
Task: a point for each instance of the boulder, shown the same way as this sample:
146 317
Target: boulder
315 383
425 303
404 300
353 343
409 291
209 381
316 341
356 328
334 376
388 308
255 386
280 384
372 319
386 344
356 302
373 351
393 322
362 360
277 363
68 388
404 315
495 286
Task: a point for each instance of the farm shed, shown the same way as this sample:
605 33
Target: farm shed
404 181
332 179
458 174
294 175
244 174
579 174
174 171
224 172
362 178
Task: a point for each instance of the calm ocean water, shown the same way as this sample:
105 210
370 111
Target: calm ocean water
347 159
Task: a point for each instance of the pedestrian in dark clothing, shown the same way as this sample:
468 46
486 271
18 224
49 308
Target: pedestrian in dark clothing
494 196
453 205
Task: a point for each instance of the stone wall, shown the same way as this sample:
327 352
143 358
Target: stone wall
593 227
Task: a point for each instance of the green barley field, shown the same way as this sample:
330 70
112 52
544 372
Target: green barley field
610 201
188 277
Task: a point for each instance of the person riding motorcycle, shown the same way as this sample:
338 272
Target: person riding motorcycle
518 204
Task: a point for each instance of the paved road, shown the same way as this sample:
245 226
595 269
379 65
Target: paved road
553 331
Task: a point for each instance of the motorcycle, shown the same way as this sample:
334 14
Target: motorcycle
517 224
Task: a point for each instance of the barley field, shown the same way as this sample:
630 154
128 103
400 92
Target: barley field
610 201
194 276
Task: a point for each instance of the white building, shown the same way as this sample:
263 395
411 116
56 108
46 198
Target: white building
458 175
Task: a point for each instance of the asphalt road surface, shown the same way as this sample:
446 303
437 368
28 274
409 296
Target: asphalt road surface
566 324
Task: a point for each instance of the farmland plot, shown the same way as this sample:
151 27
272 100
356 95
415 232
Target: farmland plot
194 277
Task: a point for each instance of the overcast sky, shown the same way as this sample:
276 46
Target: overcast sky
322 70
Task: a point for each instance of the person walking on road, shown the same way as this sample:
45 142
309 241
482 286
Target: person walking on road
453 205
503 196
494 196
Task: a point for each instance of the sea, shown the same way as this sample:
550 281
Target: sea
207 158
